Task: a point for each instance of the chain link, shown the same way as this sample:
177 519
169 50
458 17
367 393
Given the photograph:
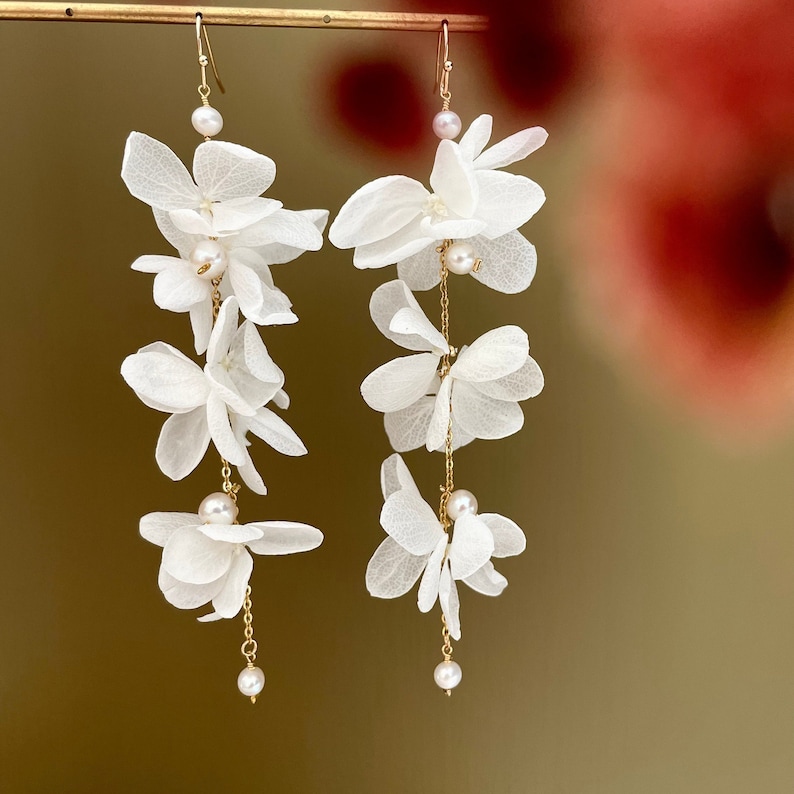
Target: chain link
249 646
446 648
449 482
216 297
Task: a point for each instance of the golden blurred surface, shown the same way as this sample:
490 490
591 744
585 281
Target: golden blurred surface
646 641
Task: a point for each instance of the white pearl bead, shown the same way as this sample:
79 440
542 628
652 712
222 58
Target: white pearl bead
218 508
460 503
251 681
460 258
212 253
207 121
447 125
448 674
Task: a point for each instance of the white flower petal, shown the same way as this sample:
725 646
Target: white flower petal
278 254
224 387
412 330
191 221
285 537
405 242
450 605
493 355
184 243
213 616
452 229
250 475
522 384
249 346
228 171
395 476
221 431
233 216
187 596
231 533
411 522
487 580
282 227
154 263
281 399
407 428
183 441
155 175
512 149
248 288
507 201
158 527
165 379
192 557
475 139
471 547
439 420
201 323
177 288
508 537
377 210
453 180
483 416
273 430
421 271
230 599
392 571
399 383
428 588
223 331
508 262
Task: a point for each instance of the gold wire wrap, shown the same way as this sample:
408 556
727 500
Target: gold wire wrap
256 17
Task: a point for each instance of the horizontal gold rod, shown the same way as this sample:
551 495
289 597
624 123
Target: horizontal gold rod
261 17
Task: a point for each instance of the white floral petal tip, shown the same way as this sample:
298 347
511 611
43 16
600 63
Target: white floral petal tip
158 527
508 263
377 210
395 476
522 384
507 201
471 547
399 383
201 324
476 138
213 617
392 571
192 557
184 243
509 539
183 443
428 587
411 521
487 581
275 432
285 537
493 355
154 263
450 604
187 596
403 243
229 600
454 182
439 419
278 253
281 399
224 330
400 318
484 417
251 477
282 228
421 271
156 176
177 289
512 149
228 171
221 431
231 533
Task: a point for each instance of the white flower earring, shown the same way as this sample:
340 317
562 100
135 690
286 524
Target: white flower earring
227 236
466 225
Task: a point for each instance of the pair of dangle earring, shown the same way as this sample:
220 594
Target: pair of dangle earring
442 397
227 235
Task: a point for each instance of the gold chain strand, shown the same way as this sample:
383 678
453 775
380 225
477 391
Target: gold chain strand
250 645
449 483
216 297
446 648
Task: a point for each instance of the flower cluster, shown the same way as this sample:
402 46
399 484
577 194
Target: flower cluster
441 397
227 236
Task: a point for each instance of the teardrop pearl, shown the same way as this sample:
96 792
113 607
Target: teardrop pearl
460 503
447 125
218 508
212 253
447 674
207 121
460 258
251 681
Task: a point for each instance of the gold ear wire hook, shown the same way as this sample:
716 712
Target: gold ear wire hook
204 61
443 65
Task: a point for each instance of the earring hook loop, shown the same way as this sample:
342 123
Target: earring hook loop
443 64
204 60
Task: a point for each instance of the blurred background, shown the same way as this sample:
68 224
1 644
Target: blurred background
646 640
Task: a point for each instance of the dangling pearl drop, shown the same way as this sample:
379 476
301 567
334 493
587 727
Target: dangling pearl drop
207 121
251 681
447 124
209 258
460 503
461 258
447 675
218 508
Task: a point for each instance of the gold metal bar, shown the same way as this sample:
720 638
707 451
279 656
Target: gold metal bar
261 17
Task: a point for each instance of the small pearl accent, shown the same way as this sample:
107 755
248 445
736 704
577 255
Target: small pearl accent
460 503
207 121
460 258
212 253
251 681
218 508
447 125
447 675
